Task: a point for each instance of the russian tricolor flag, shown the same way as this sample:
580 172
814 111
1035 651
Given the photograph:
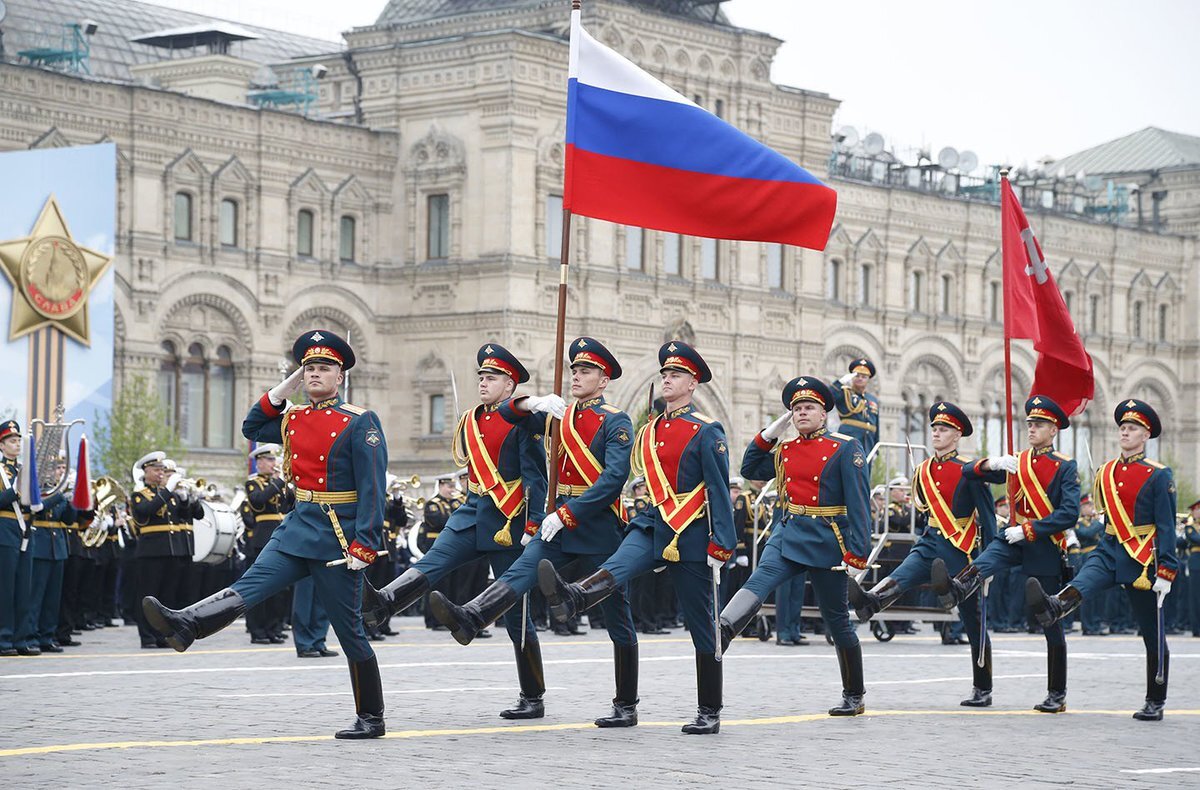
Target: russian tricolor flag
639 153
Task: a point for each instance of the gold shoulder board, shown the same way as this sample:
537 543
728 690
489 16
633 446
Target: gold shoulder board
841 436
611 409
1156 464
702 418
355 410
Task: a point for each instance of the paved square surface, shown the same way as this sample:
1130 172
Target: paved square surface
227 714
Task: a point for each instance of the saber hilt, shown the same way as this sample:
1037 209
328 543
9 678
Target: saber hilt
346 560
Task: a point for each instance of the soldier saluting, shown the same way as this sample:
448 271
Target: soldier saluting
1138 497
689 528
1043 489
336 457
961 518
822 528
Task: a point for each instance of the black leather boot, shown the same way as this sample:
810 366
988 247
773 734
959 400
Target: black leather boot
868 604
1048 609
204 618
625 665
736 615
708 696
533 684
981 691
850 663
952 592
401 593
1156 695
1056 679
466 621
566 600
368 701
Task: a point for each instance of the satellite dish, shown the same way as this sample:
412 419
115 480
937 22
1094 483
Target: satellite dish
849 136
873 144
967 161
948 158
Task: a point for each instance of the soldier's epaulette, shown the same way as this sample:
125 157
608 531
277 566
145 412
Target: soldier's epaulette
964 458
1061 456
355 410
145 491
611 409
842 436
703 418
1155 464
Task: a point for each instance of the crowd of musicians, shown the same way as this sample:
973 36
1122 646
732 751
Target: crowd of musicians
647 531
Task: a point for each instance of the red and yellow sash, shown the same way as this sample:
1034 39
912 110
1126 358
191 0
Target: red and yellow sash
961 536
1140 549
508 496
676 509
1025 487
581 457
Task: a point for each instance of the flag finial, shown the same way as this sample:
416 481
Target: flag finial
1004 172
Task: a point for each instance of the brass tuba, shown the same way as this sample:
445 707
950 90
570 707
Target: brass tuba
107 494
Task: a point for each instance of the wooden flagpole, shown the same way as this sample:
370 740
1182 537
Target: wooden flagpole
1008 400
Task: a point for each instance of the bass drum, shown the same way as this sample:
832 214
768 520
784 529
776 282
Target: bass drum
216 533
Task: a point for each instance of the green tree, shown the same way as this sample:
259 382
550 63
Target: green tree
137 424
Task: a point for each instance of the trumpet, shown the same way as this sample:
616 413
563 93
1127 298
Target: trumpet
395 484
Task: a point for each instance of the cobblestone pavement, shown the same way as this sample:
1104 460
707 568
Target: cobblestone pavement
227 714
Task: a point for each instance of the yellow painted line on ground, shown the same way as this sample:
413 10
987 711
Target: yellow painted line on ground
528 728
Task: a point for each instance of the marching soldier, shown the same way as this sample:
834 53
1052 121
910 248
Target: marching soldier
1043 489
507 485
960 519
1137 495
858 409
1192 537
689 530
823 528
1089 531
335 456
164 551
16 562
269 500
586 527
38 616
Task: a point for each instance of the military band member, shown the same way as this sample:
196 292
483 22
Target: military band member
336 457
1088 531
437 513
689 530
824 525
164 552
38 616
16 562
1043 490
960 520
269 500
586 526
507 496
858 410
1191 535
1137 496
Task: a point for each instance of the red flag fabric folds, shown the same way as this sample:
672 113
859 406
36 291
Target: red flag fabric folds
1034 309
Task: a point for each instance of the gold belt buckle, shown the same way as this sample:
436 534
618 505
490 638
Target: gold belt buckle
801 510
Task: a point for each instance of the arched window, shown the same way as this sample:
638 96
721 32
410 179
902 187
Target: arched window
197 393
168 381
634 259
1164 316
183 216
865 284
227 223
833 283
946 294
346 240
1094 313
304 233
994 301
1138 329
190 410
220 399
916 282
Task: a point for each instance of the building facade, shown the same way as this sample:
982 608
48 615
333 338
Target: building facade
417 209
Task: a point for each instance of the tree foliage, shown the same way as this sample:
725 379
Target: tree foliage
137 424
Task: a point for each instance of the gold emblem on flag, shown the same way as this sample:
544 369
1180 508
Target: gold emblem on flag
52 277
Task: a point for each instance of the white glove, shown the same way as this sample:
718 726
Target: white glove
173 482
551 525
1072 539
1014 534
847 378
1161 587
776 429
526 538
355 564
289 386
1005 463
742 561
713 562
547 404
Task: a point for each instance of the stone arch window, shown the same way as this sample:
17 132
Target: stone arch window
866 282
184 216
1137 319
227 223
834 274
197 387
1163 333
946 294
233 192
436 170
347 238
916 291
305 230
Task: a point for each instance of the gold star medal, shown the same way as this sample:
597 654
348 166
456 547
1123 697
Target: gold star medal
52 277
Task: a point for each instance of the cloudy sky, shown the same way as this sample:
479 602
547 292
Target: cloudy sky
1013 81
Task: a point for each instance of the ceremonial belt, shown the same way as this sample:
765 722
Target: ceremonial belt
677 510
272 516
1029 489
165 528
814 510
866 426
567 490
580 456
961 532
432 534
325 497
1135 530
508 496
51 524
